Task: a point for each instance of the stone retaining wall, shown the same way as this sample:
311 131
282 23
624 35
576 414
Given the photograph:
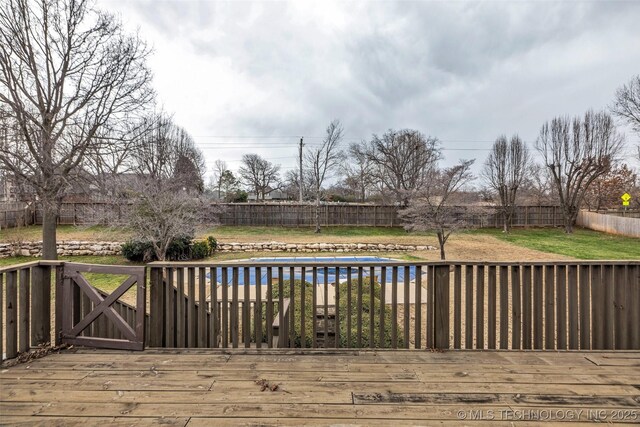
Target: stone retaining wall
77 248
319 247
65 248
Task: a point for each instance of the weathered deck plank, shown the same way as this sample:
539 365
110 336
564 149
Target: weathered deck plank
199 387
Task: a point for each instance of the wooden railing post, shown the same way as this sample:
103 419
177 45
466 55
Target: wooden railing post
58 304
441 307
40 305
156 312
24 319
11 348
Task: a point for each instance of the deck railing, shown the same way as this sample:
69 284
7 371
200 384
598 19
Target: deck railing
565 305
25 307
446 305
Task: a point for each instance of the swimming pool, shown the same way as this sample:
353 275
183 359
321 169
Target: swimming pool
334 274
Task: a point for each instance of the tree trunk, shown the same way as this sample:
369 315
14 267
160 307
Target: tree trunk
317 214
570 216
441 241
505 225
49 222
568 227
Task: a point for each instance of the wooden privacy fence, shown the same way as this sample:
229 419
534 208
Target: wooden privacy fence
447 305
16 215
303 215
566 305
610 223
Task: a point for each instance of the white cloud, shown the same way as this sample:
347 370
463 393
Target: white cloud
465 72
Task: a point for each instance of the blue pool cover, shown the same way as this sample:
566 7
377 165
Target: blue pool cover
334 274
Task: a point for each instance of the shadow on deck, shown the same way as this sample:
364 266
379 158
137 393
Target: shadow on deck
347 387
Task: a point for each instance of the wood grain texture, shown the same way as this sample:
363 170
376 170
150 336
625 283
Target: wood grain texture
225 387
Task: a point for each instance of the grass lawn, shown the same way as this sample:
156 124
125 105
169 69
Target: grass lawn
65 232
475 245
227 232
582 244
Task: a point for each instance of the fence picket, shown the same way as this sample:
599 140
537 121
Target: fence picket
504 307
23 310
549 308
246 308
190 301
516 308
538 306
181 333
598 308
383 302
561 304
480 307
609 308
468 312
418 305
257 313
457 306
572 287
394 307
585 306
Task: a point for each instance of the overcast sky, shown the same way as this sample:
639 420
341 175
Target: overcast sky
255 76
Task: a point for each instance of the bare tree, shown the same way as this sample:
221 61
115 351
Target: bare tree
627 106
505 171
219 169
259 174
322 161
404 158
359 172
291 185
168 154
432 207
577 152
627 103
66 72
538 187
163 200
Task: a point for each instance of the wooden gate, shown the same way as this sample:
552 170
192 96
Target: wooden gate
83 308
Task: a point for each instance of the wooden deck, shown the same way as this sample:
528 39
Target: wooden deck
207 387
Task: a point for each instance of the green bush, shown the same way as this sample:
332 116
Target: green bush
213 244
367 310
199 250
180 249
308 307
137 251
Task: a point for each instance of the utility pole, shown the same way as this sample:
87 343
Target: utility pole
300 177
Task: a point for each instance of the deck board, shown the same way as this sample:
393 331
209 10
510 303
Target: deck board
217 387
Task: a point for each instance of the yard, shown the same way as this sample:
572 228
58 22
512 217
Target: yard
474 245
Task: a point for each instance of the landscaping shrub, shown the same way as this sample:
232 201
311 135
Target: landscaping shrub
137 251
213 244
199 250
308 308
367 309
180 249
